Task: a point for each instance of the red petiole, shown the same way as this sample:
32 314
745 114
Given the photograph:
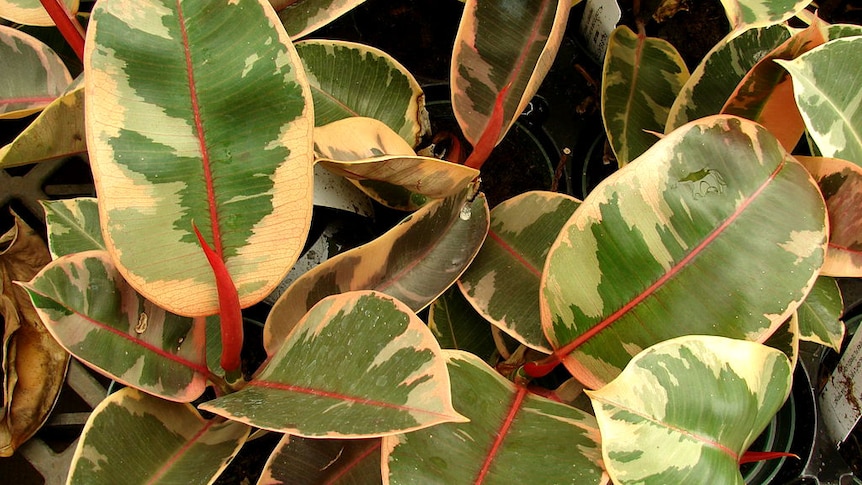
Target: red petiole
67 24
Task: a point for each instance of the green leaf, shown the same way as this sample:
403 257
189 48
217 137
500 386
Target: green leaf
73 226
765 94
502 283
32 76
349 79
747 14
786 338
301 17
31 12
458 326
218 135
721 70
664 248
656 430
484 62
97 317
840 183
304 461
820 314
640 81
828 95
359 364
57 132
415 262
385 167
132 438
513 437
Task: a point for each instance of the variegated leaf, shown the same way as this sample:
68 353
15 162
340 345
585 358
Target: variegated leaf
32 75
101 320
484 62
415 262
133 438
502 283
301 17
664 248
828 95
724 66
349 79
73 226
640 81
31 12
841 185
513 436
685 410
304 461
458 326
786 338
57 132
359 364
219 136
747 14
765 95
820 314
837 31
375 159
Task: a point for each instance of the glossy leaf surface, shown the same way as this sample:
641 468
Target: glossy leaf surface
57 132
746 14
485 62
765 94
415 262
32 75
301 17
655 430
502 283
101 320
513 437
457 325
828 95
349 79
162 442
219 135
31 12
73 226
820 314
664 248
387 375
305 461
841 185
724 66
640 81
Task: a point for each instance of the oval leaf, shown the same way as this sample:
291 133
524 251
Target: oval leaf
664 248
31 12
162 162
513 437
389 376
841 185
640 81
379 87
304 461
133 438
415 262
32 76
820 314
724 66
485 62
73 226
101 320
747 14
502 283
656 430
457 325
828 95
301 17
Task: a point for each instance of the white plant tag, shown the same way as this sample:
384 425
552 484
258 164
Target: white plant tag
841 399
600 19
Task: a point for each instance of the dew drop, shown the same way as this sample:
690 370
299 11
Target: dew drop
466 212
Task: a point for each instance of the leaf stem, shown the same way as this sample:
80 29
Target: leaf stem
67 24
542 367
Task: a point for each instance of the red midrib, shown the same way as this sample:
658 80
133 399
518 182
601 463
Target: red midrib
509 249
354 462
34 99
199 129
179 454
501 434
344 397
592 332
